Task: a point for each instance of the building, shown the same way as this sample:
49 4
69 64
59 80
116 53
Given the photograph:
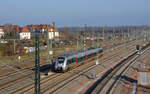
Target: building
1 31
143 77
29 31
25 33
53 33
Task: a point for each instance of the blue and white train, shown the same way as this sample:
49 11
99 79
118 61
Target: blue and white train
69 60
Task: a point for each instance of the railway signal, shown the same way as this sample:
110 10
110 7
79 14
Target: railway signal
85 31
37 65
103 34
50 38
97 62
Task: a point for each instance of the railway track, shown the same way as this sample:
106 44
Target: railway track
23 78
49 79
121 84
58 86
15 69
31 66
44 80
64 82
53 91
105 84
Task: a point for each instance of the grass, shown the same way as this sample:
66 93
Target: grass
13 59
57 51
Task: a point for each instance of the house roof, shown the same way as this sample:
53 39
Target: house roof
51 29
1 27
44 27
25 29
16 27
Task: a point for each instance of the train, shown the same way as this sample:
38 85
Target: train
72 59
138 49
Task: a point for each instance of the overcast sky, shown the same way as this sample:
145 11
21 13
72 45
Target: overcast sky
75 12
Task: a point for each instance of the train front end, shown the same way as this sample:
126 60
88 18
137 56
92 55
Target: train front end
60 64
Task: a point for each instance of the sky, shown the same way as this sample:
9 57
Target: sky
75 12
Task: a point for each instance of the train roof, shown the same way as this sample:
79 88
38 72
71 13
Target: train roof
79 52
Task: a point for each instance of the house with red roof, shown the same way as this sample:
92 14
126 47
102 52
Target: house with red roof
25 33
56 32
16 28
53 32
1 31
43 28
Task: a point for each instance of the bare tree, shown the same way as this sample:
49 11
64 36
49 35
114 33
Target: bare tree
7 30
67 34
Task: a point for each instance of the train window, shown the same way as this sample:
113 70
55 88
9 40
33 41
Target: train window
61 59
100 51
80 59
88 56
83 57
74 60
69 61
137 47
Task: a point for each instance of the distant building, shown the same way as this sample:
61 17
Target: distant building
25 33
1 32
143 77
30 30
53 33
16 29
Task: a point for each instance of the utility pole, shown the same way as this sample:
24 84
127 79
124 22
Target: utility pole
106 35
78 38
122 35
50 44
54 34
77 43
93 38
128 38
85 31
53 42
97 62
103 35
106 32
114 36
128 33
51 39
14 46
123 38
82 40
37 65
51 47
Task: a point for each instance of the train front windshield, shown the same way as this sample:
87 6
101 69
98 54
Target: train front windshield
61 60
